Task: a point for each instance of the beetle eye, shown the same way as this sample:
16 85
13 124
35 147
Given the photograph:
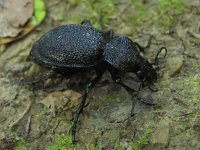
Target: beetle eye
139 73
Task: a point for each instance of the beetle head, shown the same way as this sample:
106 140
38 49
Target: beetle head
146 73
122 53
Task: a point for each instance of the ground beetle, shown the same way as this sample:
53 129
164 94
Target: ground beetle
81 47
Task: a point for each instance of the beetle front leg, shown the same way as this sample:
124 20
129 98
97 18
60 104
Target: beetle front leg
79 110
45 76
118 80
130 91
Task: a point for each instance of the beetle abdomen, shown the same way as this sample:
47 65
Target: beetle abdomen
69 46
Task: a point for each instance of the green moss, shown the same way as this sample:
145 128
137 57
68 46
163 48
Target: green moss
96 9
119 147
190 88
20 144
163 13
63 142
140 15
167 11
143 140
95 147
110 97
165 7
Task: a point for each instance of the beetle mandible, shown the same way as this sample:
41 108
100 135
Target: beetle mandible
81 47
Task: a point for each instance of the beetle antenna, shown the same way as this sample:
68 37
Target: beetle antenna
102 23
149 41
159 51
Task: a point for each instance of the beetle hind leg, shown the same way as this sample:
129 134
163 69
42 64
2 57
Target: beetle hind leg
45 76
83 104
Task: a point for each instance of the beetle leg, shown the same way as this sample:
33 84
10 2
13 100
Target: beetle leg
141 48
79 110
134 93
130 91
107 34
149 41
45 76
86 22
117 79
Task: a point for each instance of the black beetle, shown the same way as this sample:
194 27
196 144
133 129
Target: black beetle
81 47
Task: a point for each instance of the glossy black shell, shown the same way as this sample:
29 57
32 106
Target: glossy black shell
121 53
69 46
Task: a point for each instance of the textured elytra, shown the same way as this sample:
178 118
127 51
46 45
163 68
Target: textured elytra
122 53
69 46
